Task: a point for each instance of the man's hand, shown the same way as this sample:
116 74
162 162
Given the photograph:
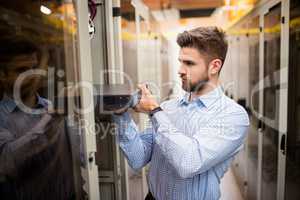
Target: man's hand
49 125
147 102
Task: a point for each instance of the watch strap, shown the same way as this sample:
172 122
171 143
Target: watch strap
155 110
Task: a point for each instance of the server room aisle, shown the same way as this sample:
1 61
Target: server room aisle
229 187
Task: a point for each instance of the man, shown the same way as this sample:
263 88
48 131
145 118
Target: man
193 138
38 153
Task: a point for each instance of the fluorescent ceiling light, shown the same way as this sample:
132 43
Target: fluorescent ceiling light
45 10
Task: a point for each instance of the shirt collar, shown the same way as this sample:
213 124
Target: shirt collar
10 105
185 99
207 99
211 97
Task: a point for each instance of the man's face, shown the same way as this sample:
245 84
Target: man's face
17 66
193 70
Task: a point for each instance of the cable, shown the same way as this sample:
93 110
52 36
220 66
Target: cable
92 8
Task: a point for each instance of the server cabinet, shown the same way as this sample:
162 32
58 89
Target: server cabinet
252 140
292 180
57 32
105 49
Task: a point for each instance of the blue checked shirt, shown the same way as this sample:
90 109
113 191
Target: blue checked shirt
189 146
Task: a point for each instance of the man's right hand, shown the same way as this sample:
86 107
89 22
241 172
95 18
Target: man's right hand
51 125
41 125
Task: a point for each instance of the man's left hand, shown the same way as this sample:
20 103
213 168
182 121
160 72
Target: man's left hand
147 102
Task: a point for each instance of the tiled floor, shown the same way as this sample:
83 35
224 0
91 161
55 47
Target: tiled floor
229 187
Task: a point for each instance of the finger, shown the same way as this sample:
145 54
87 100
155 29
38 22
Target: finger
137 109
147 86
144 89
141 86
43 122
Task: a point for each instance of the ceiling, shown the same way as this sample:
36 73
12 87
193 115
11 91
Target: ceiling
183 4
185 8
174 9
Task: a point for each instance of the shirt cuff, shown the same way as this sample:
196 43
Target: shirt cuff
126 128
159 118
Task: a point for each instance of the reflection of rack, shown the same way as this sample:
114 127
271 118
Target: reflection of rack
26 22
26 25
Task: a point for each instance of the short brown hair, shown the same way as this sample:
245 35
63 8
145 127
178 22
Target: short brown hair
209 41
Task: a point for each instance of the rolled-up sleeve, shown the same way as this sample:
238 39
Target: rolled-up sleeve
136 146
212 143
15 151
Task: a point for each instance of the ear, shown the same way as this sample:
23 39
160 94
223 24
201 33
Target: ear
215 66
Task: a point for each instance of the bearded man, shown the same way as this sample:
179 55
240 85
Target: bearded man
193 138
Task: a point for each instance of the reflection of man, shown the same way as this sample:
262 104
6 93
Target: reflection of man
195 137
37 155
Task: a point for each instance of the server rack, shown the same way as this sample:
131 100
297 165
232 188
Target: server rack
272 145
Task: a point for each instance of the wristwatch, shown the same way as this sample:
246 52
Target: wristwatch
155 110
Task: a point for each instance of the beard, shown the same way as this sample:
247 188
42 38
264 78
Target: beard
195 87
198 86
